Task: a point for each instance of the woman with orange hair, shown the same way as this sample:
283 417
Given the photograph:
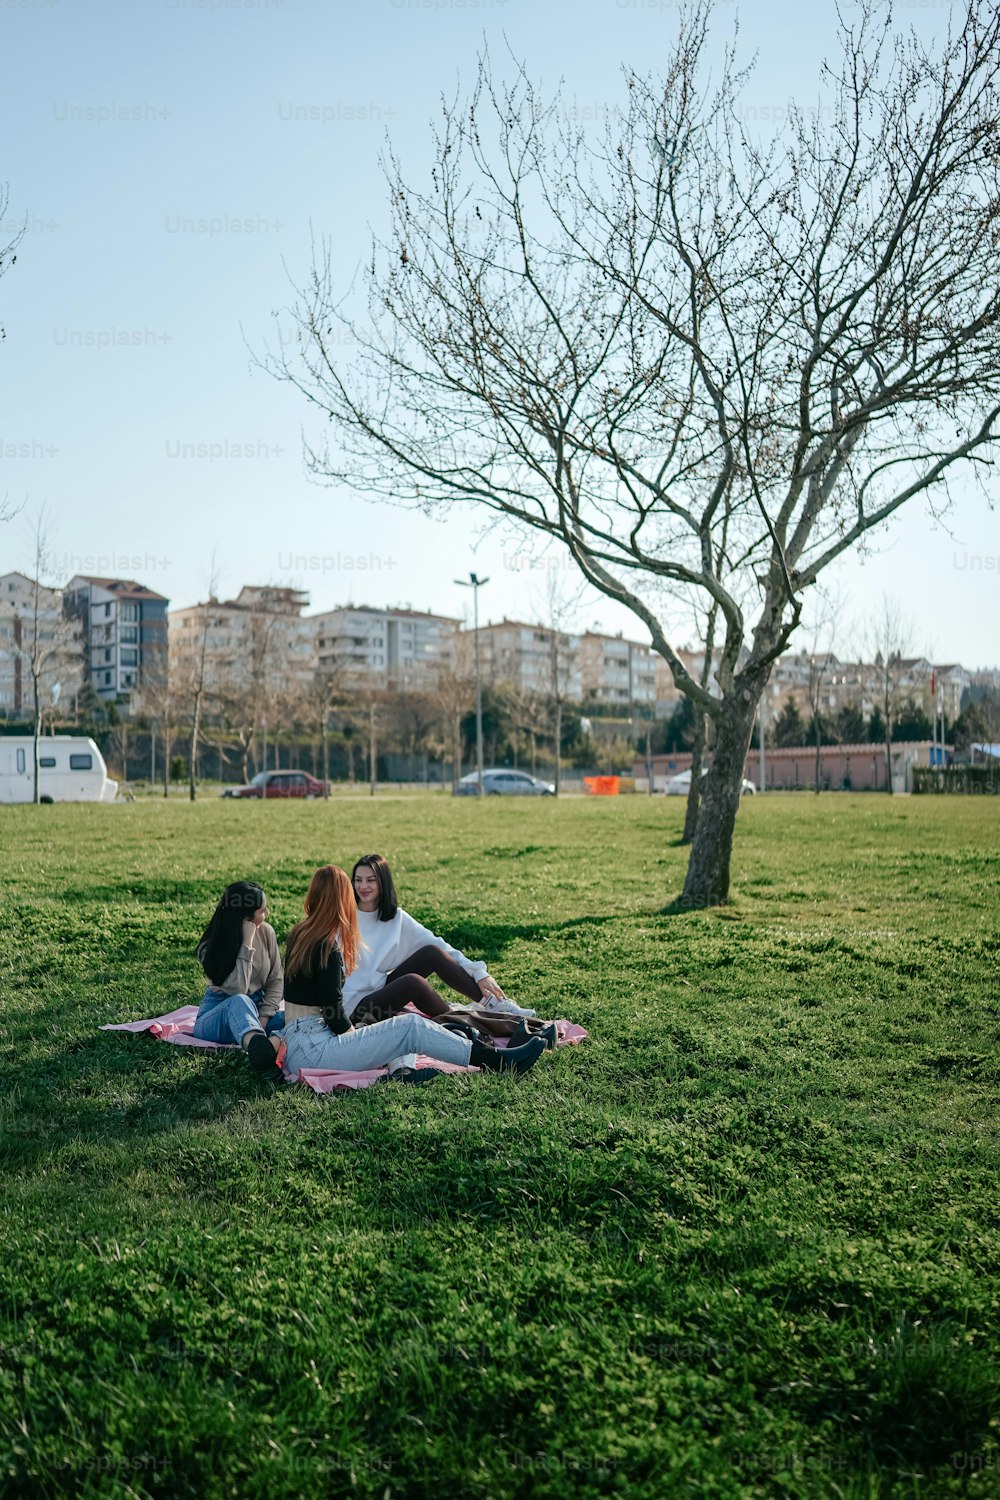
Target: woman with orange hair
323 949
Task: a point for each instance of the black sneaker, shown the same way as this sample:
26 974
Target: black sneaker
260 1055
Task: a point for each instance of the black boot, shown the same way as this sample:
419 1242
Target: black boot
507 1059
260 1055
549 1034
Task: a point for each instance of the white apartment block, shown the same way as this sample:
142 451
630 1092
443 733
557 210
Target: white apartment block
124 627
617 672
59 642
403 648
532 658
260 633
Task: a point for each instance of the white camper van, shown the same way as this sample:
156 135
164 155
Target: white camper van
70 769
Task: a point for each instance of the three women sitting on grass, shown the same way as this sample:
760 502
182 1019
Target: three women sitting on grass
239 954
321 952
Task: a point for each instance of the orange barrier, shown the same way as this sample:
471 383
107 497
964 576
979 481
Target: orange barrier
601 786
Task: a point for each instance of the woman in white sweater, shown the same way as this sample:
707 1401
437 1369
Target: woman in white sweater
397 954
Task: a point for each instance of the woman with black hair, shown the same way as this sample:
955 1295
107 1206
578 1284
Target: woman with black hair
239 954
398 954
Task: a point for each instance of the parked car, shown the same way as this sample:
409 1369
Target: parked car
680 785
280 784
501 782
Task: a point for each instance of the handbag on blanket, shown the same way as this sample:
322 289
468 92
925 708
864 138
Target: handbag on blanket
461 1026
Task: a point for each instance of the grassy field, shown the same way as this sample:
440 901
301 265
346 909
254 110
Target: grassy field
744 1241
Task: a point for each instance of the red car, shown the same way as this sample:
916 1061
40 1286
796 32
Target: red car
280 784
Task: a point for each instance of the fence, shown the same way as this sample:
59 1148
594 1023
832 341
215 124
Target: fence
965 780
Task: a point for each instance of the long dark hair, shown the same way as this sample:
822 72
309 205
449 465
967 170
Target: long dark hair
388 905
223 937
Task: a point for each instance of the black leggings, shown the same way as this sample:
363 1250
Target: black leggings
408 984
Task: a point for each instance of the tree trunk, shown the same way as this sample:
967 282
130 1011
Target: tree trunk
34 748
695 789
456 757
888 759
558 738
193 750
816 727
167 747
707 882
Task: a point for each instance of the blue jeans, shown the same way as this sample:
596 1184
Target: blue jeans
228 1018
311 1044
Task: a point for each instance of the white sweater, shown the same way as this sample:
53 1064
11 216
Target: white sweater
385 945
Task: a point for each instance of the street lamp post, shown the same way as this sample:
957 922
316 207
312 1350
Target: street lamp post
475 584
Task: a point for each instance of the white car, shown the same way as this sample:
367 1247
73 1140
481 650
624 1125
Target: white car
680 785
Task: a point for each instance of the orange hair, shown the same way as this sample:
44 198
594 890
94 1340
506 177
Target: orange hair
331 921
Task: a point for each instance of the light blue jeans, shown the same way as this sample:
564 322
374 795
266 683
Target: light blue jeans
228 1018
310 1044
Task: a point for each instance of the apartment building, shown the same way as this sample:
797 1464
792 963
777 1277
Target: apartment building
532 658
617 672
668 696
834 684
124 633
57 647
402 648
258 635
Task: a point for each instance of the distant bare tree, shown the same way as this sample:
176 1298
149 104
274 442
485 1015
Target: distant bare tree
822 633
632 342
413 717
158 700
189 667
889 637
47 642
455 692
325 691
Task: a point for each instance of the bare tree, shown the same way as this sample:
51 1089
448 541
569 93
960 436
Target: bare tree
413 717
455 692
822 633
321 696
525 714
633 342
889 637
47 642
247 682
559 607
159 703
190 677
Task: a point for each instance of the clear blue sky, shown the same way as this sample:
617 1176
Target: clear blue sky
125 124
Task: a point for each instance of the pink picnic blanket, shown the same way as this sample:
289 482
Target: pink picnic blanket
177 1027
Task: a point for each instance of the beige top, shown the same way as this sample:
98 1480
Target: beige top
258 968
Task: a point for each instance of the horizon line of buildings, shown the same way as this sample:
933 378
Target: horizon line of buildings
114 635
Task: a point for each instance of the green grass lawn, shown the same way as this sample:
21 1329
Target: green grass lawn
744 1241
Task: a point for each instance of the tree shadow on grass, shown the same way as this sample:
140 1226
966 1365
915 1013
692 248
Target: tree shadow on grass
70 1101
684 906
